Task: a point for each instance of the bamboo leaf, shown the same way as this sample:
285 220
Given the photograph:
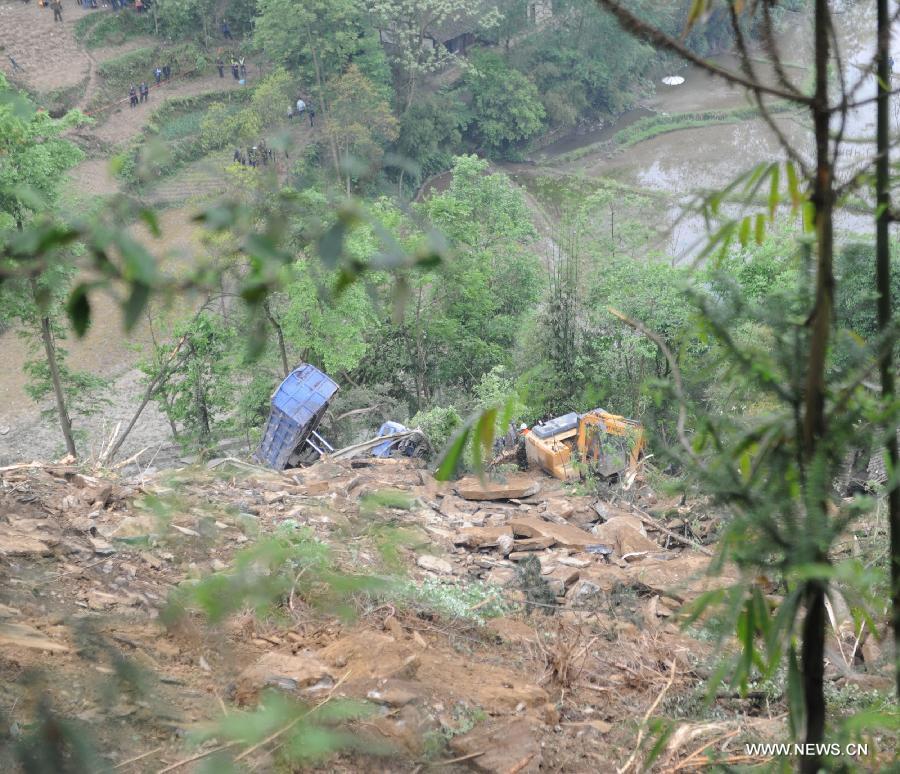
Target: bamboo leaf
698 8
451 458
134 305
760 231
796 707
774 196
78 307
809 217
744 233
793 185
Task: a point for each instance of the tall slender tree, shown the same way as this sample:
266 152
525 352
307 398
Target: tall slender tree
34 157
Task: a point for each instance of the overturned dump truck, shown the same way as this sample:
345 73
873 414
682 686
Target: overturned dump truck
298 405
291 437
604 444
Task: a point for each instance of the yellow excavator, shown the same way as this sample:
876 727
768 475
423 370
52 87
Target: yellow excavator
569 446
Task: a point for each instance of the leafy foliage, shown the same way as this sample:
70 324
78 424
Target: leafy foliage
359 123
505 104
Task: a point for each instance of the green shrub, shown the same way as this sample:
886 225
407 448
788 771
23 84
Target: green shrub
438 424
111 29
178 122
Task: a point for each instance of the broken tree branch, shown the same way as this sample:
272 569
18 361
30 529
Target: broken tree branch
647 715
284 729
160 379
651 522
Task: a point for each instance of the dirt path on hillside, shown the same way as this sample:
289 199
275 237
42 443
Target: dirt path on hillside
118 122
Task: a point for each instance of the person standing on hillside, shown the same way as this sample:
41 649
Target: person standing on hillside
157 73
132 96
57 10
311 111
234 68
226 31
243 68
220 65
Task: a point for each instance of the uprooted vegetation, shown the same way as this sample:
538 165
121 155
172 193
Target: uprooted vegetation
357 610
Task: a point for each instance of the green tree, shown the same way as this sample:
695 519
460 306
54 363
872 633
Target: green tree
359 124
465 319
506 109
34 157
321 326
412 26
272 96
430 132
182 18
198 394
316 39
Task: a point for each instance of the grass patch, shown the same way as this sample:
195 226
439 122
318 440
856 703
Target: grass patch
181 126
176 125
472 601
96 30
653 126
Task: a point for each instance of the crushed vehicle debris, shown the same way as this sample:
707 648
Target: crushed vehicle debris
291 438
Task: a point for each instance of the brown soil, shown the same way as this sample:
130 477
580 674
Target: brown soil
563 688
562 692
45 50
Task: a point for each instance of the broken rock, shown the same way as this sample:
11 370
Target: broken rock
435 564
534 544
24 636
559 508
504 748
624 534
480 537
517 486
292 673
564 535
15 542
396 693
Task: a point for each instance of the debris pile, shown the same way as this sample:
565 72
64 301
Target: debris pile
509 691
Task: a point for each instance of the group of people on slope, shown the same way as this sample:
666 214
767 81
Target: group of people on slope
139 94
238 68
300 108
258 155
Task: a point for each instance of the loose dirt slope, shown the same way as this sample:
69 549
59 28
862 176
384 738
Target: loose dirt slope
457 659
